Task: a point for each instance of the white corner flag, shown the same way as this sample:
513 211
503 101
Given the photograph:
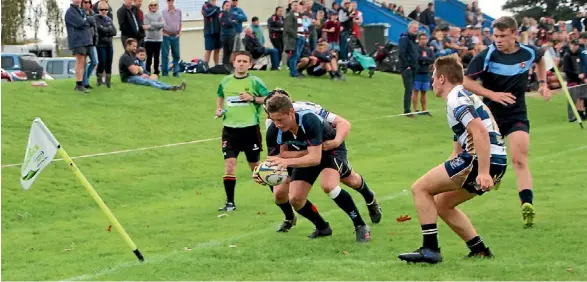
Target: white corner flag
40 151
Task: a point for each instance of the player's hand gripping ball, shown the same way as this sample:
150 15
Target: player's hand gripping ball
269 175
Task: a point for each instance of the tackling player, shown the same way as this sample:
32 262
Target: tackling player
503 67
354 180
477 164
240 96
306 133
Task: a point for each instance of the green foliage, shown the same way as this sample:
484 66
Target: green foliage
559 9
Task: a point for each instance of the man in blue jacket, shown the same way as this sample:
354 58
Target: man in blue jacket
408 62
240 17
211 13
79 40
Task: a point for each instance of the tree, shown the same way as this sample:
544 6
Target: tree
35 14
54 20
13 15
559 9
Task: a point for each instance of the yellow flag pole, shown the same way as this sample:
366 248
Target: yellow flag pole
566 91
100 202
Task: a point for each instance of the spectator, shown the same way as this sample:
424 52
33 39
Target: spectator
427 17
415 14
346 21
257 50
154 24
212 40
275 24
332 28
357 19
487 38
171 35
239 15
575 77
422 79
106 31
408 62
309 23
319 25
140 60
131 72
470 16
128 22
92 53
79 39
228 33
327 61
400 11
141 19
96 8
257 30
294 37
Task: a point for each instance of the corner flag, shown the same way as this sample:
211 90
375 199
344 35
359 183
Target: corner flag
41 149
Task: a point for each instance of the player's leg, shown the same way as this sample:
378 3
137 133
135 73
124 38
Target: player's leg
281 198
518 143
446 204
302 181
357 183
434 182
330 179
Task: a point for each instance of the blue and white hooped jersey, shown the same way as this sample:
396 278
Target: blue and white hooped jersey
462 107
309 106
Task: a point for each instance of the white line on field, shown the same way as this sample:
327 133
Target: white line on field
171 145
212 243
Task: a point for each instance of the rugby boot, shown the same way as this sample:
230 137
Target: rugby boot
324 232
228 207
363 233
528 214
484 254
286 225
374 211
422 255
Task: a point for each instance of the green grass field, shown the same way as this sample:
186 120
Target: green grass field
167 198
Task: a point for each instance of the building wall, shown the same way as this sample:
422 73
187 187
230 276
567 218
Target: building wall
192 37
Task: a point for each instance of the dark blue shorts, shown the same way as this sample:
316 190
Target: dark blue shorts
212 42
463 170
422 82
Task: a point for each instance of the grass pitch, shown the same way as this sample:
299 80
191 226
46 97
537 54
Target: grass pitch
167 198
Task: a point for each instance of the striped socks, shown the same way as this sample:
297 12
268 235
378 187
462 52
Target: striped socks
430 234
476 245
229 185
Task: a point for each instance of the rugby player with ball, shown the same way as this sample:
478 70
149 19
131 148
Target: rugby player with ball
301 137
281 189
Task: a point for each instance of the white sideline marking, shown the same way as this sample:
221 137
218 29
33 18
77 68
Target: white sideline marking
171 145
206 244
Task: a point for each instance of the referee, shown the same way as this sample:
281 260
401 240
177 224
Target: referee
239 101
503 67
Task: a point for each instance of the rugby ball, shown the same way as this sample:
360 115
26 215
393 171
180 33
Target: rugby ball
270 175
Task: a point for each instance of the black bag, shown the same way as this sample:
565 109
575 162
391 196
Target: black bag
197 67
219 69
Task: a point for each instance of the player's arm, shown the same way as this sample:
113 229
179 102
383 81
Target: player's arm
541 75
467 115
286 154
482 146
343 127
220 100
314 133
474 71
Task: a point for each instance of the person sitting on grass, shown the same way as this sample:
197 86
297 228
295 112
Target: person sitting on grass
140 60
422 81
327 61
131 72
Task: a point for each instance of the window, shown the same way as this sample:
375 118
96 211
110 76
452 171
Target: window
7 62
55 67
71 67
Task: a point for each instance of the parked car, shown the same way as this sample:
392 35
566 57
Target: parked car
23 66
59 68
